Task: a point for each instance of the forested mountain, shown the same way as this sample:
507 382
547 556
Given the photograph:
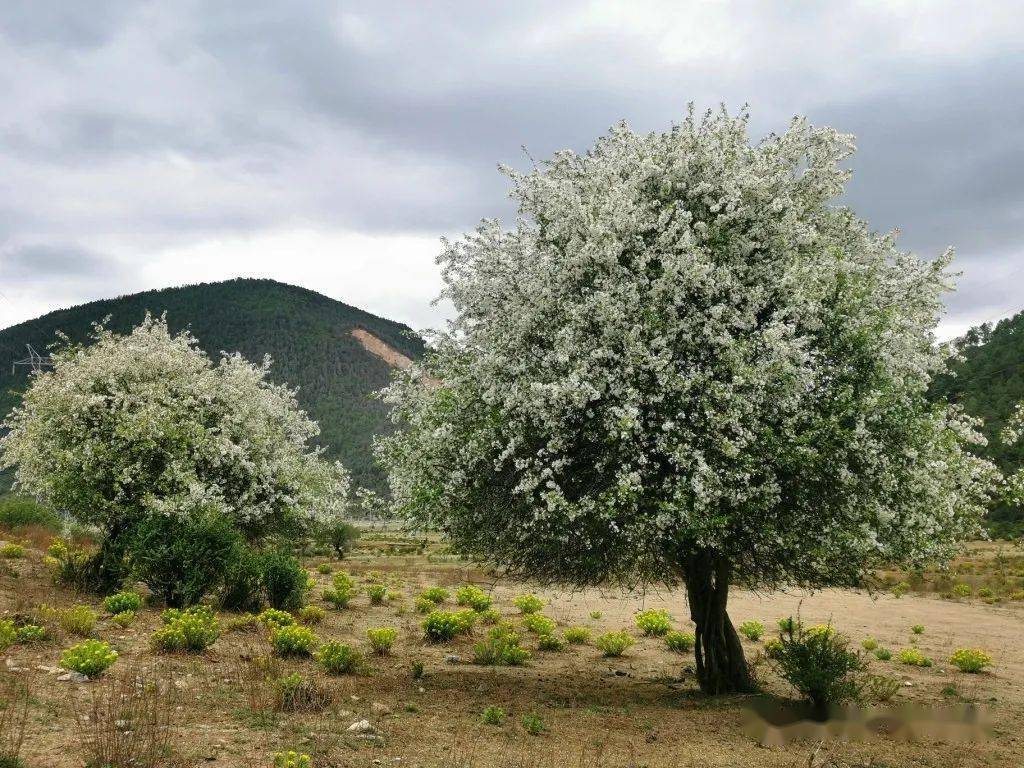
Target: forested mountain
308 335
988 383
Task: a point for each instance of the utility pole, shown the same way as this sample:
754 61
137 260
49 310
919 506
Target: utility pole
34 359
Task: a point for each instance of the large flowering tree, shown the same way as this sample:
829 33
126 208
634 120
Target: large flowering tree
146 424
1012 433
683 364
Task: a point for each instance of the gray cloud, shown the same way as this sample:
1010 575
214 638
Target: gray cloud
140 127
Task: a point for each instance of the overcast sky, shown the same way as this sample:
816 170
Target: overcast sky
331 144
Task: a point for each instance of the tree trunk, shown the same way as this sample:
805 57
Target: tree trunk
721 667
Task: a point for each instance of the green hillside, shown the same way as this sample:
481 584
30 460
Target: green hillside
988 383
308 335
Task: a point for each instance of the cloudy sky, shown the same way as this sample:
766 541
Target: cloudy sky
331 144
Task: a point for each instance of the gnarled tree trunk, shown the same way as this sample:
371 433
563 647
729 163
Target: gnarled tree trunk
721 667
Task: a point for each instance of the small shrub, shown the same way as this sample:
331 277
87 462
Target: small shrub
493 716
272 618
29 634
12 550
24 512
79 620
970 660
8 634
501 648
342 591
752 630
869 644
879 688
192 630
242 589
72 566
985 593
292 760
442 626
528 604
538 624
533 724
339 535
789 624
917 629
614 644
435 595
883 654
417 670
247 622
1017 595
122 601
962 590
284 580
338 658
123 619
680 642
382 639
311 615
900 589
295 693
595 615
90 658
324 569
913 657
819 666
654 622
821 629
473 597
577 635
422 605
550 642
772 646
490 616
292 640
378 594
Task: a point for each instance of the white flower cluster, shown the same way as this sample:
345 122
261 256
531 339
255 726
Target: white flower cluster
1012 432
146 423
684 347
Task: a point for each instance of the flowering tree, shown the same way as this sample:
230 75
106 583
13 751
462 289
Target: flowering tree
145 424
684 365
1012 433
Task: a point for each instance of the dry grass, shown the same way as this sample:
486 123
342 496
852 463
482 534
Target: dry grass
641 710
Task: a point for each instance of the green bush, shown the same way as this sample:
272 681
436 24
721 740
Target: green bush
292 760
819 666
962 590
295 693
883 654
680 642
242 589
533 724
378 594
245 623
435 595
23 512
473 597
614 644
550 642
381 639
913 657
879 688
869 644
595 615
917 629
292 640
90 658
273 619
654 622
72 566
338 658
528 603
538 624
577 635
29 634
500 648
191 630
311 615
339 536
970 660
490 616
752 630
123 619
325 569
183 558
493 716
284 580
342 591
789 624
12 551
79 620
985 592
122 601
8 634
442 626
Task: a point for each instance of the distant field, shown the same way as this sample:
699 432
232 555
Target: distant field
644 709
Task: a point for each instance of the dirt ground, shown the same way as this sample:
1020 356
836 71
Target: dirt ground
643 709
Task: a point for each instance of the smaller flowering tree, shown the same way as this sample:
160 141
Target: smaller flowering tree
1012 433
146 424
